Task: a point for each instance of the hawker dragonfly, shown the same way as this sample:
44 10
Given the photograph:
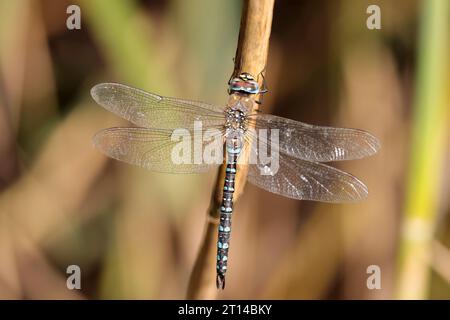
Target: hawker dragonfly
298 148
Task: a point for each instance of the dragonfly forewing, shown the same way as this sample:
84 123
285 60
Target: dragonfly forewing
317 143
150 110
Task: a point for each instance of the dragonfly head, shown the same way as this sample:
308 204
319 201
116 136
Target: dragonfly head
244 83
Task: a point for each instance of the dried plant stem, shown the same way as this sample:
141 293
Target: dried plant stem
251 57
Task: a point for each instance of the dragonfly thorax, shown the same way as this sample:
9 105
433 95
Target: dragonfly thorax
236 120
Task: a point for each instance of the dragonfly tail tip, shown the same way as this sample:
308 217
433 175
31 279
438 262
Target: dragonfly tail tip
220 281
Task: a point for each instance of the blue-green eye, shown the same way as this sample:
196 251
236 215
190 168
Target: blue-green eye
244 86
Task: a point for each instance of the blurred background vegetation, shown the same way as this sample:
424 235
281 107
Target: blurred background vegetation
135 234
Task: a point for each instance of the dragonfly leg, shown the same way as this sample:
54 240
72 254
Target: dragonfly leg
264 89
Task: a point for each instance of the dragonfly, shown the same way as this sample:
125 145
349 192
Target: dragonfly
301 149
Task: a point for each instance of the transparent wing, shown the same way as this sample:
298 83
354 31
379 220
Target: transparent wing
303 180
153 111
157 150
315 143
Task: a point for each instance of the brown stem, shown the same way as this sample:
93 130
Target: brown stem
251 57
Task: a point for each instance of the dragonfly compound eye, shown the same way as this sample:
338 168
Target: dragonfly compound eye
244 86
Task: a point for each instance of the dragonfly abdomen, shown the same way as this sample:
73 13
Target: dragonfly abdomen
226 211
